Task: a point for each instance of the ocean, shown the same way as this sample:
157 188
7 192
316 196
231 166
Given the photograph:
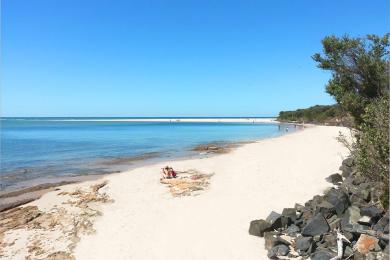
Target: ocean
35 150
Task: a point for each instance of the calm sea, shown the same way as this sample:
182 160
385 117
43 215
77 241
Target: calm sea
44 148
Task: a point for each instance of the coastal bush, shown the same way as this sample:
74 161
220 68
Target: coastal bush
373 144
360 85
331 114
360 71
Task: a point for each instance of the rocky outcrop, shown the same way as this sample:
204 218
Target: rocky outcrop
351 208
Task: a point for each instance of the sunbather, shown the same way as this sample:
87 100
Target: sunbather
168 173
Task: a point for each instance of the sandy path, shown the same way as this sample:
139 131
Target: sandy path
146 222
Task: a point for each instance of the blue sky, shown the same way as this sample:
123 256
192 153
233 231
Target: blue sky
171 58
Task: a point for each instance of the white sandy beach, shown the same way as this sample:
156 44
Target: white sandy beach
146 222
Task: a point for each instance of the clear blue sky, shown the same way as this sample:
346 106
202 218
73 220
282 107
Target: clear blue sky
171 58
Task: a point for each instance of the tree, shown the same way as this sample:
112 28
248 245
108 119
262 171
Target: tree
360 70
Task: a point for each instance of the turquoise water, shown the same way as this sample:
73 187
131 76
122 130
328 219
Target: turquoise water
33 148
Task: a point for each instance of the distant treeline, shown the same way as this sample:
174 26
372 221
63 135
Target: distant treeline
319 114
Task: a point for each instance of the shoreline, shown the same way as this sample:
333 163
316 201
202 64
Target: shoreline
165 119
38 187
142 204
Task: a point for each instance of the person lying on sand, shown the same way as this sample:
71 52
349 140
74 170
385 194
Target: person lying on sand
168 173
172 172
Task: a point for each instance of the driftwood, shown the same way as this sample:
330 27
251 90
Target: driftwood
340 241
187 183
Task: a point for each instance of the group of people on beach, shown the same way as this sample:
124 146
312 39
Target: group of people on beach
168 173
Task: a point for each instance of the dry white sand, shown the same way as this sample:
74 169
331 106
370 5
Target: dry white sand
146 222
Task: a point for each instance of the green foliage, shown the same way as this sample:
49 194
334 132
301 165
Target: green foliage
373 142
360 70
360 85
315 114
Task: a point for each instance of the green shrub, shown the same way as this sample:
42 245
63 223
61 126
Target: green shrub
372 152
315 114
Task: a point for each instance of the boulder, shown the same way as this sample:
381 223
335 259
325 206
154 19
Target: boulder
366 243
371 211
334 222
307 215
299 222
290 213
365 220
329 240
382 224
355 228
348 251
348 162
322 255
357 199
292 230
303 243
334 178
351 216
299 207
359 179
258 227
326 208
279 250
316 226
338 199
274 218
346 171
273 238
277 220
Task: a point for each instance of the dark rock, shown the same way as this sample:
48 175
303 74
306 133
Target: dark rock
382 244
372 212
279 250
358 200
290 213
346 171
329 240
273 239
326 208
303 243
299 222
381 225
365 220
355 228
258 227
386 252
316 226
322 255
386 229
348 251
317 238
349 235
277 220
334 178
307 215
292 230
299 207
338 199
351 216
274 219
348 162
334 222
364 193
358 179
